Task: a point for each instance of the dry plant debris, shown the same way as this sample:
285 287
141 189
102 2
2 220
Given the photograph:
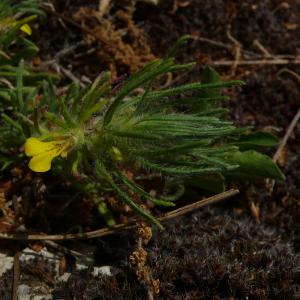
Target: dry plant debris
138 260
124 47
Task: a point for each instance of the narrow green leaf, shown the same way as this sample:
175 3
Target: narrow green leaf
12 122
179 149
65 112
182 170
134 187
19 87
88 112
56 120
182 67
95 92
179 44
191 87
135 207
133 134
256 140
149 72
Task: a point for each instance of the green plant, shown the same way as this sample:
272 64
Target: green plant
19 85
179 132
104 131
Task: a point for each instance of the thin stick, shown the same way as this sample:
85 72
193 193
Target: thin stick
246 52
121 227
69 74
191 207
237 50
271 183
286 70
286 136
16 277
61 54
223 45
261 48
275 61
64 250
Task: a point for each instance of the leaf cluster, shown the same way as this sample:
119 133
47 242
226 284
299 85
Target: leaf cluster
19 85
180 132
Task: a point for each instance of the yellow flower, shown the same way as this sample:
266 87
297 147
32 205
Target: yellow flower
8 23
44 152
26 28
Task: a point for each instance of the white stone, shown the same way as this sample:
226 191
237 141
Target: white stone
6 263
64 277
104 270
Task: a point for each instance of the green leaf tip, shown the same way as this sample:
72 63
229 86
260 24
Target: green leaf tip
184 39
127 199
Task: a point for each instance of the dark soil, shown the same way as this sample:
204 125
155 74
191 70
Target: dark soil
228 252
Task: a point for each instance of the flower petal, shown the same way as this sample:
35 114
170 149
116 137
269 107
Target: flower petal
33 146
26 28
42 162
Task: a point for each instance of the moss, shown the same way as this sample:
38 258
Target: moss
223 258
207 255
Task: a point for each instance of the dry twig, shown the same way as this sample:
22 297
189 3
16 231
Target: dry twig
270 183
262 48
16 277
286 136
237 50
286 70
225 46
121 227
79 256
275 61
